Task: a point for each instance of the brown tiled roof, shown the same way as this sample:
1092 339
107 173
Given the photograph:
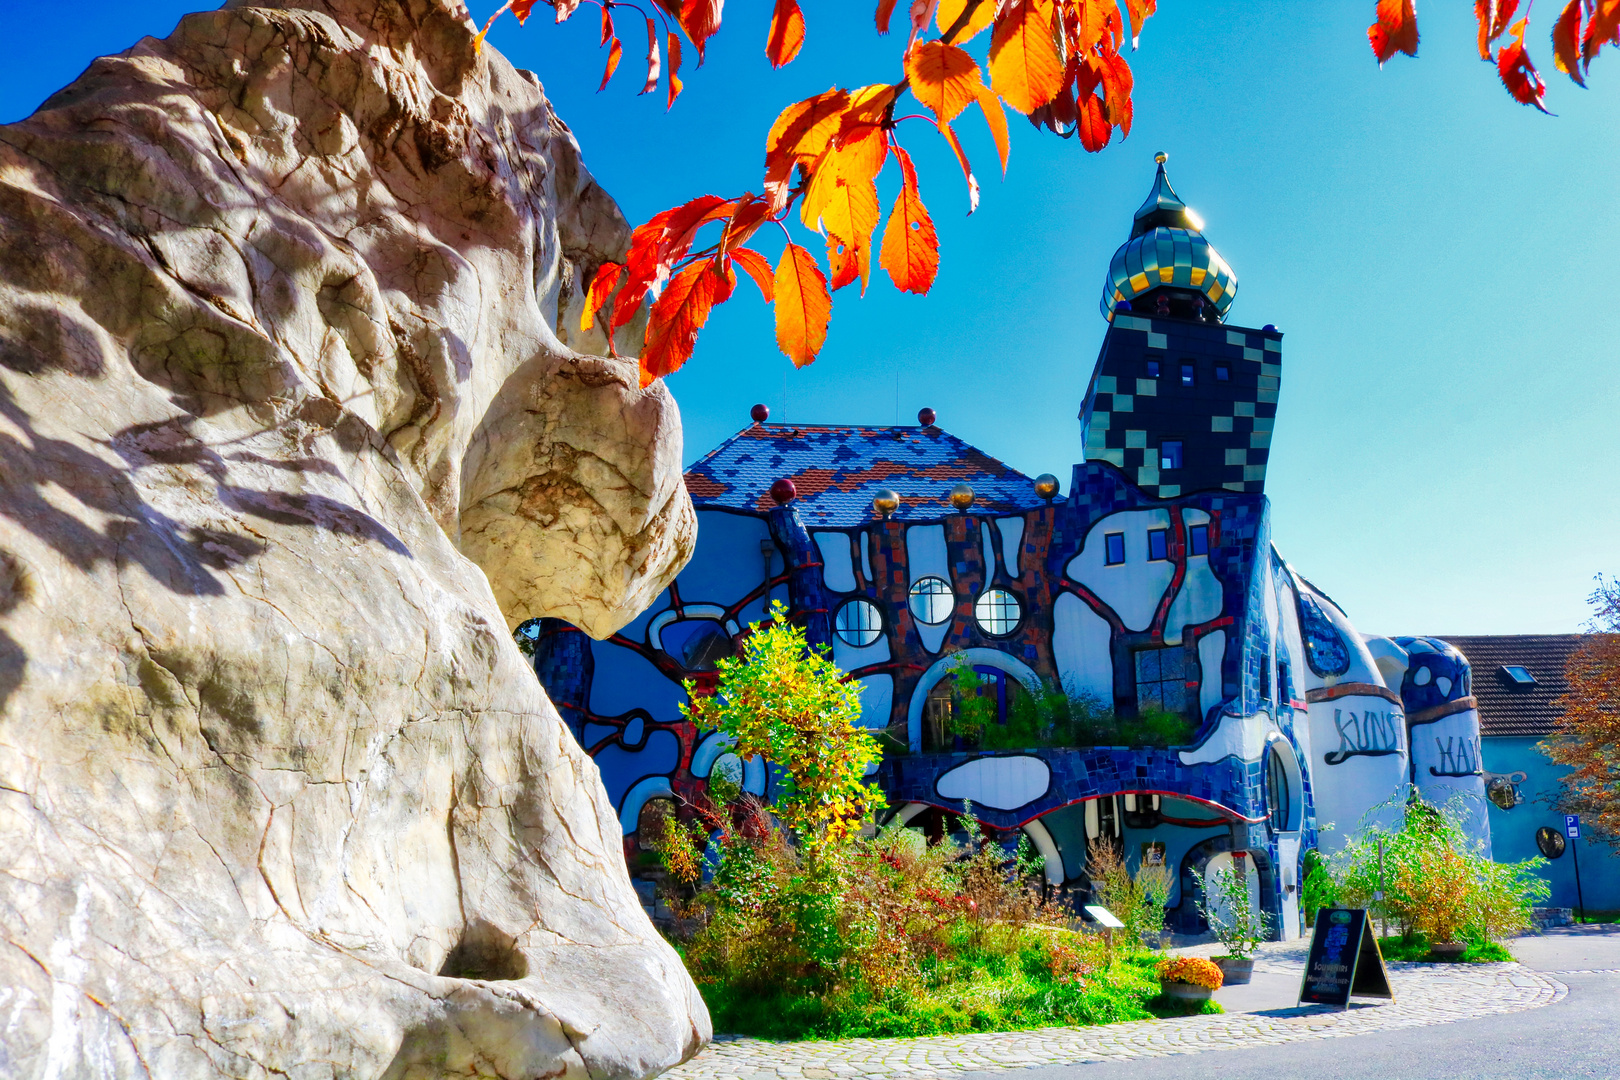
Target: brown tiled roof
1508 709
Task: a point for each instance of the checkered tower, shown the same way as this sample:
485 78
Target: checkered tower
1180 400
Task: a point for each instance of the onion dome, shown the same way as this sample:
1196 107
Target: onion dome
1167 249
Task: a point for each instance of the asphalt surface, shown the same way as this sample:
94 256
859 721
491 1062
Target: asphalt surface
1578 1037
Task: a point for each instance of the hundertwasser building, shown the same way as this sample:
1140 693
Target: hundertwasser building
1148 587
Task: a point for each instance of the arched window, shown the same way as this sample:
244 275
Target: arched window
858 623
932 601
998 612
1279 797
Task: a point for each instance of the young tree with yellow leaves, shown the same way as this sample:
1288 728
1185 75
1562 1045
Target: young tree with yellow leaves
1588 735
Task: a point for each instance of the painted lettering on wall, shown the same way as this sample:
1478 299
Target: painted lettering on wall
1365 734
1459 756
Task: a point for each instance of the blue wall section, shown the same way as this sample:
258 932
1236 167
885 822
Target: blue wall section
1513 832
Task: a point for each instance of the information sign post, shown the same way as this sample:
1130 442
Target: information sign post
1343 960
1572 829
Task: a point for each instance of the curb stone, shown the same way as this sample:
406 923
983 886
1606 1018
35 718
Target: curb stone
1424 994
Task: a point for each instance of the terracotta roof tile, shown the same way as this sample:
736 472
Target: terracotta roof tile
1506 708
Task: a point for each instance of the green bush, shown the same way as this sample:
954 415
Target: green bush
1050 716
1435 881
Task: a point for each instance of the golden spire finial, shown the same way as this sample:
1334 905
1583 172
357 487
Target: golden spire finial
1161 157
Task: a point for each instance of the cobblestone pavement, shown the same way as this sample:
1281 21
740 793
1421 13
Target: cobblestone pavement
1424 994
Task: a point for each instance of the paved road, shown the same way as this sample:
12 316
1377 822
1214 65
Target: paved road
1577 1037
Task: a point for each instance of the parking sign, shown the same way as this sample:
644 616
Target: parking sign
1572 826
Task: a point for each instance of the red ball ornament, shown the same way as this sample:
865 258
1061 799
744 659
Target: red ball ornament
784 492
925 417
760 413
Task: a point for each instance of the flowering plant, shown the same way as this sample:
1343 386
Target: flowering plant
1190 969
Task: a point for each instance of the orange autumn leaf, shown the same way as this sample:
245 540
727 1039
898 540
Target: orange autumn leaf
1395 31
699 18
786 37
1603 28
752 210
1091 24
868 107
679 313
1139 12
603 283
803 306
1025 68
607 25
943 77
844 173
967 170
885 12
675 84
521 9
950 13
1493 17
996 118
1566 39
910 250
802 130
615 54
754 264
565 8
1117 83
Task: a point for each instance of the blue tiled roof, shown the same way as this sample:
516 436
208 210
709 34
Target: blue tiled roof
839 469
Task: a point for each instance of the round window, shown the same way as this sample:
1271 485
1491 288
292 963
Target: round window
931 600
858 623
998 612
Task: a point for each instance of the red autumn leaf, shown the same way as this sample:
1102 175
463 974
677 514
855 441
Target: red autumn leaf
803 306
661 242
910 250
615 54
1602 28
1493 17
1566 40
1395 31
1095 130
1518 74
679 313
943 77
757 268
996 118
653 64
700 19
602 285
674 80
521 9
607 25
787 33
752 210
1117 83
967 170
885 11
951 12
1025 68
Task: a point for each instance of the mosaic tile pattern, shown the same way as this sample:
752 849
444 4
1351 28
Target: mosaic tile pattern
837 471
1224 425
1167 247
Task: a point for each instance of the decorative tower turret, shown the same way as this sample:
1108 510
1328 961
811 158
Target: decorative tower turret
1179 402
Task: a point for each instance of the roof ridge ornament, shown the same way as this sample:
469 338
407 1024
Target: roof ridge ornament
1168 251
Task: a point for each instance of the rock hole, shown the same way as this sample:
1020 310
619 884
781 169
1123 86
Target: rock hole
485 951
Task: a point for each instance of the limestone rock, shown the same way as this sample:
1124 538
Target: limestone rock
288 317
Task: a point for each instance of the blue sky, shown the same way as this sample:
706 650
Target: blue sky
1442 261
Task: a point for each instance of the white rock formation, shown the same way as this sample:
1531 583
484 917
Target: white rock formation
288 304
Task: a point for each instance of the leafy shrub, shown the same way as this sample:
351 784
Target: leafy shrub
1050 716
1233 919
1436 882
1137 900
1318 890
1194 970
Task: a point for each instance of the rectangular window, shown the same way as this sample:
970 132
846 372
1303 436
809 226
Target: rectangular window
1114 545
1188 374
1284 691
1153 369
1265 679
1170 454
1198 540
1158 544
1161 680
1222 373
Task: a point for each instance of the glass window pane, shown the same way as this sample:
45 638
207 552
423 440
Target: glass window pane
858 623
1170 454
1187 374
1153 369
1158 544
932 601
1173 665
1116 548
1147 665
998 611
1198 540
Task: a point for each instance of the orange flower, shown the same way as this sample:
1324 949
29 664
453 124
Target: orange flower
1190 969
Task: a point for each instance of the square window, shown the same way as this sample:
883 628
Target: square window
1188 374
1153 369
1198 540
1114 548
1517 675
1223 373
1170 454
1161 680
1158 544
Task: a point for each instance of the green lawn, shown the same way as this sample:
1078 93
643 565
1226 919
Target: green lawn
1415 947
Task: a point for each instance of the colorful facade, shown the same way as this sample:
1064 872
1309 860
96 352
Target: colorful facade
1150 589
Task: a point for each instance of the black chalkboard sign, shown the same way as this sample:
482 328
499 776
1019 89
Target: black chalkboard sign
1344 960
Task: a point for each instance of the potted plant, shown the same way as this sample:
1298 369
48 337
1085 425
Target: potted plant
1189 978
1235 923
